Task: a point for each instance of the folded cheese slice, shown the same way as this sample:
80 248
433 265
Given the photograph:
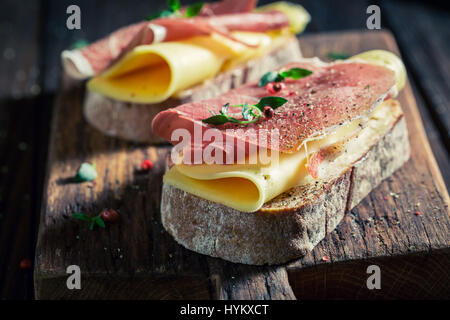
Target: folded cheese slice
153 73
247 187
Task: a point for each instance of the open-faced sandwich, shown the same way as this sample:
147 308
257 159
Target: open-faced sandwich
182 54
260 174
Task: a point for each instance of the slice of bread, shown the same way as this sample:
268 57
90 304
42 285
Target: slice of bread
290 225
132 121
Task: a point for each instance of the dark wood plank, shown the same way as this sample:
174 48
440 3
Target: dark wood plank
135 248
20 78
383 229
232 281
425 46
91 31
19 138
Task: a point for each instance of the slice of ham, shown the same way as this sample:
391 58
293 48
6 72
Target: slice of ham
333 95
169 29
227 7
230 15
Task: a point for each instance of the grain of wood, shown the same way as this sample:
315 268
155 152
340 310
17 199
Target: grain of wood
424 48
382 229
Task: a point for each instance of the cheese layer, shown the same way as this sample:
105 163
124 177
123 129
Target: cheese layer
153 73
247 187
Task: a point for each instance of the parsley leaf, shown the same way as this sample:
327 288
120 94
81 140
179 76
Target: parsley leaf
81 216
248 111
86 173
273 102
97 220
296 73
274 76
338 55
194 9
216 119
79 44
270 76
174 5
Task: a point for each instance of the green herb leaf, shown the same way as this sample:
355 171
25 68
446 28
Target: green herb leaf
174 5
217 119
79 44
194 9
81 216
86 173
248 111
234 120
296 73
161 14
271 76
99 221
273 102
338 55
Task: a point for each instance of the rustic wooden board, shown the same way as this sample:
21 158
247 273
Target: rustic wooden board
137 259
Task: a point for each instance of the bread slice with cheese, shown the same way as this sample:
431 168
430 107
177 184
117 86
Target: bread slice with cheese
291 224
340 133
175 60
130 120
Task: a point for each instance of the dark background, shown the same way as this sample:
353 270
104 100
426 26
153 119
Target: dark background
33 33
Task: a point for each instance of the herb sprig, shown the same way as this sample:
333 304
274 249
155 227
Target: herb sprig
85 173
279 76
338 55
173 10
93 221
250 113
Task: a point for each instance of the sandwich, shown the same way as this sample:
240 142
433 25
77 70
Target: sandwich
260 174
182 54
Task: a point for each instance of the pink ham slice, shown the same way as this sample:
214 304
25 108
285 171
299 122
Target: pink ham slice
182 28
227 7
332 95
221 17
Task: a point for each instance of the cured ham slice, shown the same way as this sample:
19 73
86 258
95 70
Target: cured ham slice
332 95
169 29
84 63
222 17
228 7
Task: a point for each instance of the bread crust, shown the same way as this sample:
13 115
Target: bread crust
132 121
290 225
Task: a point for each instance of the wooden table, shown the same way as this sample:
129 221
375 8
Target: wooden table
34 37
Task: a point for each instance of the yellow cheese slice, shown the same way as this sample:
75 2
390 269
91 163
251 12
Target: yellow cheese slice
247 187
153 73
297 15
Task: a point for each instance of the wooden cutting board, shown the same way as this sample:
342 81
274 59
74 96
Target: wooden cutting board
137 259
